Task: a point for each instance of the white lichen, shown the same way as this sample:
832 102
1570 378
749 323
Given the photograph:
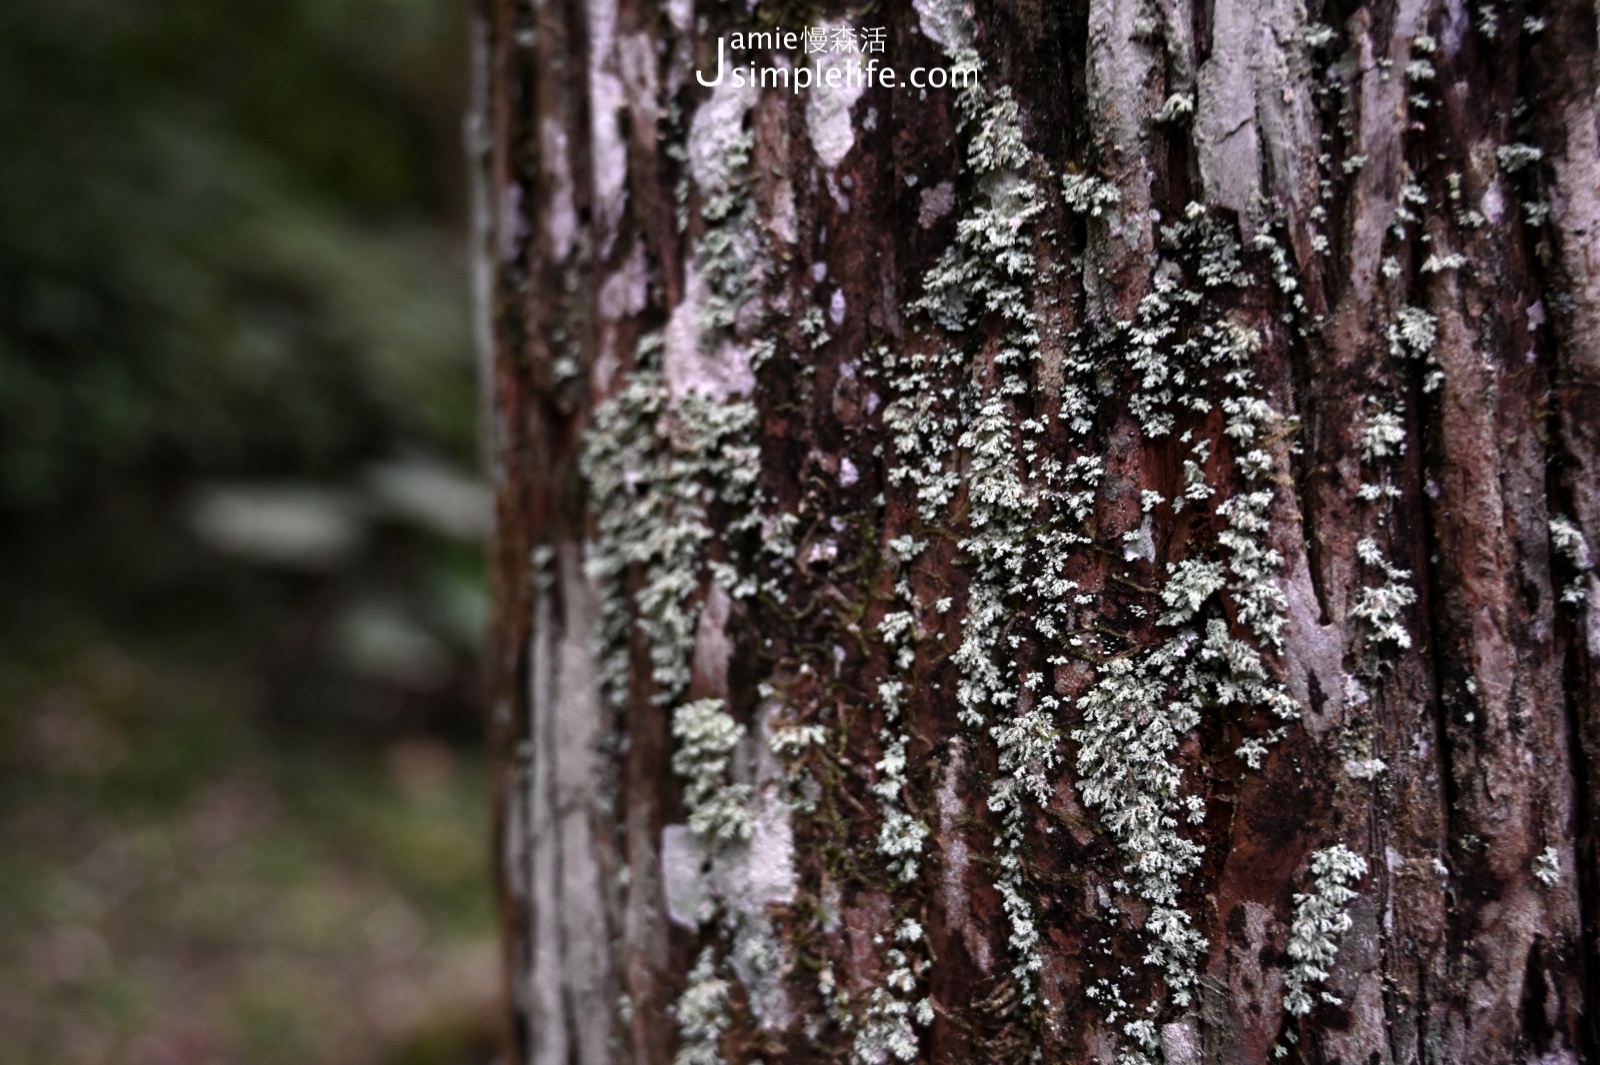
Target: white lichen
702 1014
1547 867
1414 334
1381 608
651 464
707 735
1384 434
1321 919
1090 195
1515 157
1570 544
1176 108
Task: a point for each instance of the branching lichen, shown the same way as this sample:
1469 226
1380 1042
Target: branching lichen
1381 608
1547 867
1088 195
652 464
671 469
719 811
1569 542
702 1013
885 1030
1320 922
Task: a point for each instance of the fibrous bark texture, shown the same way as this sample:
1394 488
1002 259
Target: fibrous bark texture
1089 560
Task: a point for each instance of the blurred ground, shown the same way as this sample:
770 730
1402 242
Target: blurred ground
243 800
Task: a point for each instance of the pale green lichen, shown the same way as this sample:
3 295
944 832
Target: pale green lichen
989 269
1130 731
1176 108
719 811
667 459
887 1028
1381 608
1515 157
1383 438
884 1031
1145 702
652 463
1142 807
790 741
1570 544
1005 503
1320 921
1414 334
1088 195
1436 263
1384 435
702 1013
1411 195
901 836
1547 867
728 252
1028 512
1193 581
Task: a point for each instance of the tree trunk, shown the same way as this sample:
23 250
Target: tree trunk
1091 562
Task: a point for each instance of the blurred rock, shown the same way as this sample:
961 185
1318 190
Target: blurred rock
295 526
380 640
435 496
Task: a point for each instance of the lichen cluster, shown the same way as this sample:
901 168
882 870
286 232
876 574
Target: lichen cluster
1570 545
660 455
707 735
1020 474
886 1029
1029 513
1320 921
654 464
1183 355
703 1013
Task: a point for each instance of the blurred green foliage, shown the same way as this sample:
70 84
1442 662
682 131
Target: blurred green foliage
224 238
239 822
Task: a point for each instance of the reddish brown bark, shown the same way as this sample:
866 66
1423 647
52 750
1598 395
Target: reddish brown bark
600 223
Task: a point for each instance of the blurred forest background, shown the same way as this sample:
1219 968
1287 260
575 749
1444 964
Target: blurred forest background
243 806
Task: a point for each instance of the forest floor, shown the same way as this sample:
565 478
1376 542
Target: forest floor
187 880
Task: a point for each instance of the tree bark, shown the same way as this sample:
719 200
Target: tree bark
1089 565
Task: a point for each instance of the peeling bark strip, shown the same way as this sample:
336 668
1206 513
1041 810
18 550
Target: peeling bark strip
1096 564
